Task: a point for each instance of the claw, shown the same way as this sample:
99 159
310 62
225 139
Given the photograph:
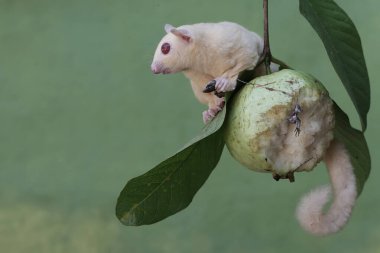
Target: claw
210 87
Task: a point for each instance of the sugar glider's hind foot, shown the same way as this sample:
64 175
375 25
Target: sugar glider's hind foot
211 112
208 115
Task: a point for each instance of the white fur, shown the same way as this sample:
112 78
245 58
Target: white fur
208 51
310 213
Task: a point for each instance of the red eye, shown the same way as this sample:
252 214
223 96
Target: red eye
165 48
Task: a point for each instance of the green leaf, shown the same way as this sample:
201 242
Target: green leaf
171 185
356 145
343 46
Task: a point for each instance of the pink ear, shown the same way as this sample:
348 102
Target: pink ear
182 33
168 28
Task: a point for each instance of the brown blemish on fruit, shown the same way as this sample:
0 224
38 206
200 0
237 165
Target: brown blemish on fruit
277 111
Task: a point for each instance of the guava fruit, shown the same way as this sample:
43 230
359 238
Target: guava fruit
260 132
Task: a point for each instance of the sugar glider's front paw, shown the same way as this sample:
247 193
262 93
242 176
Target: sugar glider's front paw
224 84
209 114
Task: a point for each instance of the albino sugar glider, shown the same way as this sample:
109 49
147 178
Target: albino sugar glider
206 52
220 51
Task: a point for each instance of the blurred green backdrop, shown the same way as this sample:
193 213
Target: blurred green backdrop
81 114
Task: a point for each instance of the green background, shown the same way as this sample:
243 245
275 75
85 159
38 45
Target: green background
81 114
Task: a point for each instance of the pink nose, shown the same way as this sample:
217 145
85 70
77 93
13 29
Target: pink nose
155 68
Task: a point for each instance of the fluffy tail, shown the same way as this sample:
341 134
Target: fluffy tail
310 210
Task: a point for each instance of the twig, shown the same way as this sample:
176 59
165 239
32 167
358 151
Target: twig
266 52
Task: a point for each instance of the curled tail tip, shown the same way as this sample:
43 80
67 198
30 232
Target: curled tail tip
312 218
310 210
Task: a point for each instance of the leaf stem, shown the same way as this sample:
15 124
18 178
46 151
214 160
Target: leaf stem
266 52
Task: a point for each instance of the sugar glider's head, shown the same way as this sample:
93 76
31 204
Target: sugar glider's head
173 51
